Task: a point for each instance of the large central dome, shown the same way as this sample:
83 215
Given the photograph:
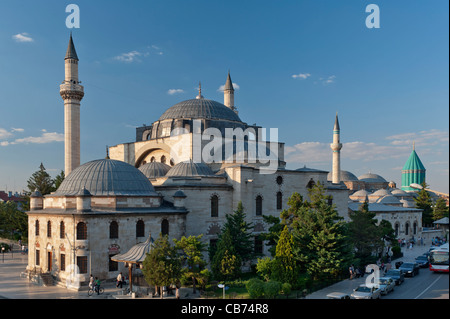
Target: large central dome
200 109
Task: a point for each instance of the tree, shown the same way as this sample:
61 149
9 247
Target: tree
12 219
284 265
319 234
440 209
241 234
364 234
41 181
424 202
162 265
273 234
59 179
192 254
226 263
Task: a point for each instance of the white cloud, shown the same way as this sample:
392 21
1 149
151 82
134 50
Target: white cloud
422 138
222 87
46 137
174 91
130 57
22 37
17 129
4 133
301 76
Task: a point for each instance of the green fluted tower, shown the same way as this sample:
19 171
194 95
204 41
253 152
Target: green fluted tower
413 172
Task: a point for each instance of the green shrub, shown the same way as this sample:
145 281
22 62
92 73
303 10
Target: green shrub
286 288
272 289
255 288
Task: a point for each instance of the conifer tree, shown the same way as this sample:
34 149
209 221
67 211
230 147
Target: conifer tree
424 202
41 181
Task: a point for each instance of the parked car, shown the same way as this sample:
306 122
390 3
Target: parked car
410 269
338 295
365 292
386 284
422 261
397 275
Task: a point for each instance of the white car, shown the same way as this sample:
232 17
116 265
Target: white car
338 295
365 292
386 284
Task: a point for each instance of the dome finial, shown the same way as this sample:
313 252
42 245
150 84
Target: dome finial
107 152
414 145
199 96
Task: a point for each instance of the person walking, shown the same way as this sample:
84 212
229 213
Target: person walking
119 280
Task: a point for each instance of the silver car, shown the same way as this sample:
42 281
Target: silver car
386 285
365 292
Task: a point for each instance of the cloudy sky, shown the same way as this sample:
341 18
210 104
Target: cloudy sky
294 63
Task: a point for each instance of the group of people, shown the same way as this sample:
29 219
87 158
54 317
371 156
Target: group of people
94 284
356 272
120 281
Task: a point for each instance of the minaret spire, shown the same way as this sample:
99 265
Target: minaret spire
228 94
72 93
199 96
336 147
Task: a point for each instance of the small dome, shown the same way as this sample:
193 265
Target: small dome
389 200
190 168
179 193
372 178
346 176
200 109
381 192
154 169
108 178
360 193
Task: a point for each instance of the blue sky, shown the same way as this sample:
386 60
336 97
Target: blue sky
296 64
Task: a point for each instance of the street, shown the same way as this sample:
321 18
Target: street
427 285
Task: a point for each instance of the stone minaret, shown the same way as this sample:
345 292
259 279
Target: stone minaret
72 92
228 94
336 147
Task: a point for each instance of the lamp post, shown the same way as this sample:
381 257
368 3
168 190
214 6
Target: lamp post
3 254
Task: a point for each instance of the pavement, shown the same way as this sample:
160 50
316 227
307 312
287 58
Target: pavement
347 285
15 286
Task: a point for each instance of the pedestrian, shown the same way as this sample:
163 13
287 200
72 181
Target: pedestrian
119 280
351 270
23 249
97 285
91 282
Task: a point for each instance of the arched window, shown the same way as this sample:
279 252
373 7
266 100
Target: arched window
62 230
407 229
152 159
81 231
396 229
113 230
165 227
415 228
311 184
279 200
49 229
258 203
163 159
140 228
214 206
36 228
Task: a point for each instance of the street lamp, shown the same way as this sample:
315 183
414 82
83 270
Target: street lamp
224 288
3 254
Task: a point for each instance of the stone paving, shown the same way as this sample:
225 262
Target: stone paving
13 286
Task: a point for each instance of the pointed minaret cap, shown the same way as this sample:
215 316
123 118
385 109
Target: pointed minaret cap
336 123
228 84
71 52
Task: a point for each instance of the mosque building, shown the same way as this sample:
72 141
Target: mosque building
180 177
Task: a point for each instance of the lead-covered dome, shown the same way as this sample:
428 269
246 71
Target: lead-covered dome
189 168
200 109
154 169
106 177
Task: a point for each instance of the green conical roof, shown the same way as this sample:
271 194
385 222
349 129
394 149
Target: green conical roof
413 162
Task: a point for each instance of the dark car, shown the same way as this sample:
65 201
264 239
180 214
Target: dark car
422 261
410 269
397 275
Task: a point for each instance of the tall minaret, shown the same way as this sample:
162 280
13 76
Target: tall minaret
72 92
336 147
228 94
